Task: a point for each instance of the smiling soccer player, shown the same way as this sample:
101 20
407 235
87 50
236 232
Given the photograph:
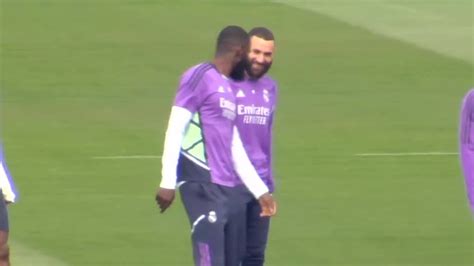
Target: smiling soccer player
256 97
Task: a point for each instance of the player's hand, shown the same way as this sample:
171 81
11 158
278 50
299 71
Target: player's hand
268 205
164 197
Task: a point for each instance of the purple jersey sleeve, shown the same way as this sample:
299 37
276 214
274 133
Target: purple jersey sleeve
271 126
467 144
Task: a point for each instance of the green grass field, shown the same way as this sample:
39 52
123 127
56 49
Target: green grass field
81 79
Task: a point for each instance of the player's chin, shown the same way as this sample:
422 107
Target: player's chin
256 68
257 73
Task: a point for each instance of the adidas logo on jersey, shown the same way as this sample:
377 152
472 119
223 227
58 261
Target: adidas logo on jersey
240 94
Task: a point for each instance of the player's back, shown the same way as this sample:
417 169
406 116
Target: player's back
206 151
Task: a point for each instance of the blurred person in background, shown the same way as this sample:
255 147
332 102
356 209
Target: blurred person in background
467 144
7 196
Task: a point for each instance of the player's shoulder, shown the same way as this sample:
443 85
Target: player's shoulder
468 100
198 72
269 82
469 97
470 93
238 84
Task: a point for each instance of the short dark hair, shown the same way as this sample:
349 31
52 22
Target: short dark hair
230 37
263 33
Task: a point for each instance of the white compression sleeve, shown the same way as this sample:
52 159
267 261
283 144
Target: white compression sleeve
177 125
5 185
245 169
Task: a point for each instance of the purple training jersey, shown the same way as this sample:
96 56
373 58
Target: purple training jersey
206 154
467 144
256 102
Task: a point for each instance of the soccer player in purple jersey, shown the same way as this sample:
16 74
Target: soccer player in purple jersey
467 144
7 196
256 98
203 151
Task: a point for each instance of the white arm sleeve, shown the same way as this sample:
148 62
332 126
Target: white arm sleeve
5 185
177 125
245 169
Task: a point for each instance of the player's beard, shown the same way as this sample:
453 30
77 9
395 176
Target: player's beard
238 73
254 74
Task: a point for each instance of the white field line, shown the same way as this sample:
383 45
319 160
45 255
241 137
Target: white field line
125 157
402 154
386 154
24 256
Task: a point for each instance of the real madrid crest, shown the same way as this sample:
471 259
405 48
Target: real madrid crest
266 95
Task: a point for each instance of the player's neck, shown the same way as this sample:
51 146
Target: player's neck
223 65
252 78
